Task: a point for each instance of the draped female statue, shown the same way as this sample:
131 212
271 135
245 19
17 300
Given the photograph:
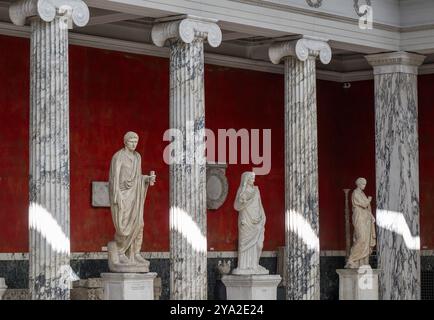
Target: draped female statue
364 237
127 193
251 226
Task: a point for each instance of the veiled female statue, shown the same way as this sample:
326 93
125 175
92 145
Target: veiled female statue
251 226
127 192
364 237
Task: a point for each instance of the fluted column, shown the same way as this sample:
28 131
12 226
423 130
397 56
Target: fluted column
49 241
301 164
397 173
188 223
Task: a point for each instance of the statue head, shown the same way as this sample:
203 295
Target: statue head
361 183
130 140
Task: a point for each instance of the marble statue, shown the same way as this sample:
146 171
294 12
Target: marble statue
251 227
224 267
127 193
364 237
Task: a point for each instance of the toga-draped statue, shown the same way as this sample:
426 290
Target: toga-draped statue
364 237
127 193
251 227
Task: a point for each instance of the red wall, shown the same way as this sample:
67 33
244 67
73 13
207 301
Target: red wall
426 162
111 93
346 151
14 143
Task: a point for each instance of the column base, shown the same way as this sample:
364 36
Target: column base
358 284
128 286
3 287
251 287
87 289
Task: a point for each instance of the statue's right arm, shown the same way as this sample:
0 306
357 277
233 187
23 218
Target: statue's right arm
360 201
114 178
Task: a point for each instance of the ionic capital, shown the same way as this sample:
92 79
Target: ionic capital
75 10
187 28
302 49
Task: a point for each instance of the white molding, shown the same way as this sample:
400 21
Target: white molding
147 255
7 256
210 58
267 20
394 62
151 50
426 69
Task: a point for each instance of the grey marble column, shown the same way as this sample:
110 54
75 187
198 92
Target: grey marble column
49 241
188 221
397 173
301 164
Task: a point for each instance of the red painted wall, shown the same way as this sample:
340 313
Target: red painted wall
346 143
426 159
14 143
112 92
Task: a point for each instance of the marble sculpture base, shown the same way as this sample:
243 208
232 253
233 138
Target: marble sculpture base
3 287
251 287
358 284
128 286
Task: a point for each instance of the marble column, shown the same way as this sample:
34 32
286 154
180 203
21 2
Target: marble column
301 163
188 221
49 241
397 173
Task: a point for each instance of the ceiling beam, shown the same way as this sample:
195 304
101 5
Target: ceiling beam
235 36
112 17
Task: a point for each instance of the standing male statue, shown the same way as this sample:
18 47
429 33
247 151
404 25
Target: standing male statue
364 238
127 193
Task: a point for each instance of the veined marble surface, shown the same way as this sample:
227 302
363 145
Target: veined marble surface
301 180
188 181
49 161
187 174
301 163
397 172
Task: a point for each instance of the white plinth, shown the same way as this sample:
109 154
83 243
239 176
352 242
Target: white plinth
3 287
358 284
128 286
251 287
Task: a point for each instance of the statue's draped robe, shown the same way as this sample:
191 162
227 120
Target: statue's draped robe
251 228
364 229
127 205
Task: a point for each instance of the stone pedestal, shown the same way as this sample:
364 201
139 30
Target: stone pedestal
251 287
3 287
358 284
88 289
128 286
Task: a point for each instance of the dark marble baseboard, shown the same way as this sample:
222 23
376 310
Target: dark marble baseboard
15 273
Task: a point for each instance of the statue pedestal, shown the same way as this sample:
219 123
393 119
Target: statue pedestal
251 287
87 289
3 287
128 286
358 284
